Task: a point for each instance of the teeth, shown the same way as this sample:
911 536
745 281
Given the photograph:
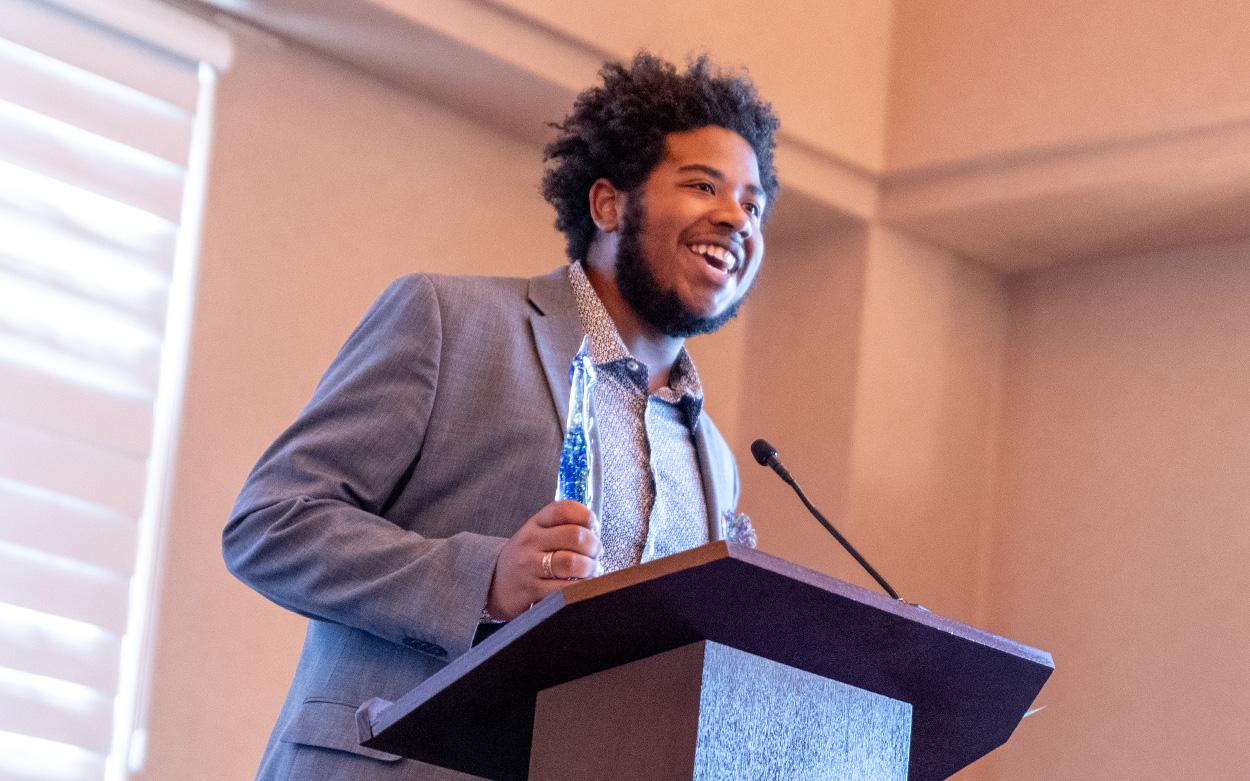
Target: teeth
719 254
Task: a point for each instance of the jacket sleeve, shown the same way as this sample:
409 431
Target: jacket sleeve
308 531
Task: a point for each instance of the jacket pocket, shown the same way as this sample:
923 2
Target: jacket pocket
330 724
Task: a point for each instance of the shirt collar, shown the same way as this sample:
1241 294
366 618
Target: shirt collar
684 388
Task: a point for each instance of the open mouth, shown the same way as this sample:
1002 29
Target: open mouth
724 260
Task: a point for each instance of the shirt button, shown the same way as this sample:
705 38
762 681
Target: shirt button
633 365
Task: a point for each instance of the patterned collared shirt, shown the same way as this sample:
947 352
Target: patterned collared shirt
652 502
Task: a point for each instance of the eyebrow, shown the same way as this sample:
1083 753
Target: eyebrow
754 189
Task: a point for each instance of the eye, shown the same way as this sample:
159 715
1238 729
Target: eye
704 186
752 208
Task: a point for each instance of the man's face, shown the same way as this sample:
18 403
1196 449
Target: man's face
690 241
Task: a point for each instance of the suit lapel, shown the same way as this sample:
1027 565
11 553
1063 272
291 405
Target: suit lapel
557 331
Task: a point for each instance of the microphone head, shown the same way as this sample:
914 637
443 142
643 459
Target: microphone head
764 453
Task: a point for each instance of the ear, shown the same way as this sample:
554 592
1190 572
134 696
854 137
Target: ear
607 204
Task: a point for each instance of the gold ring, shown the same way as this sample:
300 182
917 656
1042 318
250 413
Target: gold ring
547 573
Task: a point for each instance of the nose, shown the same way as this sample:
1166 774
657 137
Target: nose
734 216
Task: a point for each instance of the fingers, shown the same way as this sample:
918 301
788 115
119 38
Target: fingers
577 539
563 512
566 526
566 565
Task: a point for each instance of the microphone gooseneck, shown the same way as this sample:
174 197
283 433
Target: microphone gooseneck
766 455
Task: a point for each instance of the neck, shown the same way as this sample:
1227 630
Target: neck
654 349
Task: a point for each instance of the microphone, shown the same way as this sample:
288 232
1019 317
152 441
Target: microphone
766 455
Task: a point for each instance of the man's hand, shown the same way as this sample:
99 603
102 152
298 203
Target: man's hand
561 529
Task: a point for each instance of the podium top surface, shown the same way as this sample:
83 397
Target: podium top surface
968 688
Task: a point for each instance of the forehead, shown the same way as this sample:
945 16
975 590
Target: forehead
713 147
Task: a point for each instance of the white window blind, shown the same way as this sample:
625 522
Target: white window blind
104 119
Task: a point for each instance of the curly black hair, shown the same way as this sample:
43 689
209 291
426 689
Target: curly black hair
617 132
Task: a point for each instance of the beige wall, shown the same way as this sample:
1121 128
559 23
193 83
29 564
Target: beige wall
1060 457
924 432
799 386
823 63
1121 540
971 78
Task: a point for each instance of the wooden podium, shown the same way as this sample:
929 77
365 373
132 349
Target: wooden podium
718 663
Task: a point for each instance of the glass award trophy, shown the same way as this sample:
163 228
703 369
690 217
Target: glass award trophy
579 477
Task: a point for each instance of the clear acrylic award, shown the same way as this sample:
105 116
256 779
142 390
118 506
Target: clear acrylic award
579 477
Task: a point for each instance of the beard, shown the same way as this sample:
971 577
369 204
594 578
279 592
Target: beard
660 308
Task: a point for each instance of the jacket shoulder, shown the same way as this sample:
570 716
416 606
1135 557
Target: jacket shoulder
470 293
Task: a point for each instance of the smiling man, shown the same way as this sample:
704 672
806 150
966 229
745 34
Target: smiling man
410 502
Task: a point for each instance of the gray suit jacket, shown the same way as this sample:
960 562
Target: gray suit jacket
380 512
